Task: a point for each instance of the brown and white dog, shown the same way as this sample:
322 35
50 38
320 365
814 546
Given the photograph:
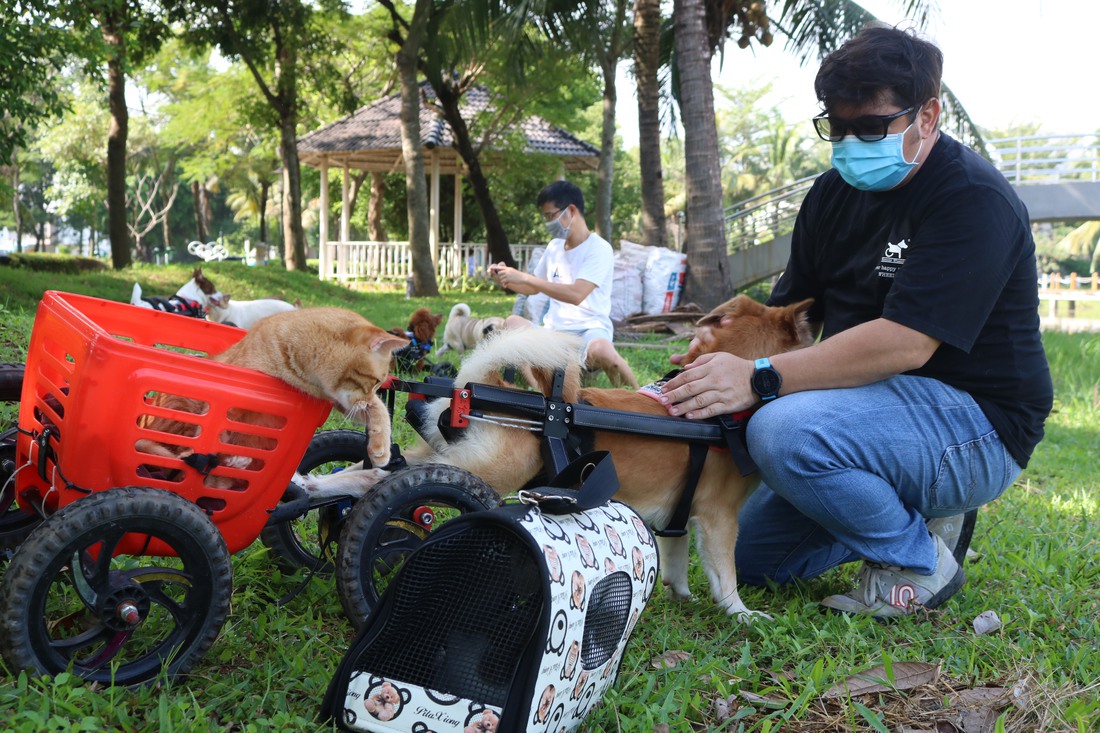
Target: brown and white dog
194 297
652 470
463 332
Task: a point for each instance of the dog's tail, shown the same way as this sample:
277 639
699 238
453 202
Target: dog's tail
460 309
135 298
535 352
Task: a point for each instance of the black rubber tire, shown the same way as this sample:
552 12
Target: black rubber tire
52 617
379 532
11 382
15 524
298 543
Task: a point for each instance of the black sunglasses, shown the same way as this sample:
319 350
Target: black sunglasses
869 128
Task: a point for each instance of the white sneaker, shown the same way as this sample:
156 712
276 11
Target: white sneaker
955 531
888 592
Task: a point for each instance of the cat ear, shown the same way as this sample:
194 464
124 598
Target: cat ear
385 341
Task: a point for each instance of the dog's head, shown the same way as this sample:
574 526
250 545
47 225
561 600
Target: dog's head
423 323
748 329
201 290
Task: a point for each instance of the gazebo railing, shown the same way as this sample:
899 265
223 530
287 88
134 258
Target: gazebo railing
373 261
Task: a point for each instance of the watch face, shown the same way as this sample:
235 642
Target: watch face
765 382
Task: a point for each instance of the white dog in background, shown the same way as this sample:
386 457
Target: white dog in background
464 332
245 313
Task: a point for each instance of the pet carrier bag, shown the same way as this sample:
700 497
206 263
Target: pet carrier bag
511 619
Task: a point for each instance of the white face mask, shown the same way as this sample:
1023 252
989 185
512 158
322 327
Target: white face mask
557 230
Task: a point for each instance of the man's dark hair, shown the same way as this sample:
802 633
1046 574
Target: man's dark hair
561 194
880 60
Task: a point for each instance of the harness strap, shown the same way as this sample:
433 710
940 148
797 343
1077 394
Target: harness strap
733 429
677 526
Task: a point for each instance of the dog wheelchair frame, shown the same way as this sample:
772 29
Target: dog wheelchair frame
119 561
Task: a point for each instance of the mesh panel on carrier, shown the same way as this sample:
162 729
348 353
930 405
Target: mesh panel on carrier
512 619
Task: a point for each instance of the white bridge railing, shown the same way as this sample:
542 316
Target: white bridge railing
1047 158
1035 159
372 261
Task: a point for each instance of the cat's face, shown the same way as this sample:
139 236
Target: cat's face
330 353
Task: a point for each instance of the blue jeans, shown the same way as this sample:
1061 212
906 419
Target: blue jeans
850 474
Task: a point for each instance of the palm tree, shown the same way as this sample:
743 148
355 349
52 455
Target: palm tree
411 36
813 28
647 62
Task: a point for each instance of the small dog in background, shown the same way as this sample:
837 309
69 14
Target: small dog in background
465 332
192 299
421 334
245 313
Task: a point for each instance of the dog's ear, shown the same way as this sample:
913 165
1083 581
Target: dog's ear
800 317
736 305
437 318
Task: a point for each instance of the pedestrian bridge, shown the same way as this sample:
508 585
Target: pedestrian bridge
1056 176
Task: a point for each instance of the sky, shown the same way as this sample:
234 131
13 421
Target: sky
1008 61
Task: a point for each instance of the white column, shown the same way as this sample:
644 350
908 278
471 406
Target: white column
434 226
458 210
323 254
345 209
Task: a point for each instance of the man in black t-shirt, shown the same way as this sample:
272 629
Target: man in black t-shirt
928 390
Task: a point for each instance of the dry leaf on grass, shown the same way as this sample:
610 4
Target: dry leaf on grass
670 659
660 728
725 707
907 675
986 622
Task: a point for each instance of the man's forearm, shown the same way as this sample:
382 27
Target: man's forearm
861 355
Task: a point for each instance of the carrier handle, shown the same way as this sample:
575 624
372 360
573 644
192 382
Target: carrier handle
595 472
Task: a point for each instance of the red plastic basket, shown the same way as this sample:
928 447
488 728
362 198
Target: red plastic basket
93 370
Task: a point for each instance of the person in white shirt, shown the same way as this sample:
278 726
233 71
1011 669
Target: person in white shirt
576 274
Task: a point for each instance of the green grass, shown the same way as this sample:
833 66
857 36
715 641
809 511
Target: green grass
1036 567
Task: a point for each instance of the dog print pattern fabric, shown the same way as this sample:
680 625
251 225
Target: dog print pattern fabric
599 568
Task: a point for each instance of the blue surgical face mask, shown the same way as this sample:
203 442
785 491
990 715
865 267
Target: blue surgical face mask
877 166
557 230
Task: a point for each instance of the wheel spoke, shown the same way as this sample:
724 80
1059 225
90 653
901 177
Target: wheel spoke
108 652
153 582
97 571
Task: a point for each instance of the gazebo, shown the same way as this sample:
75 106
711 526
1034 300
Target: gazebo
369 139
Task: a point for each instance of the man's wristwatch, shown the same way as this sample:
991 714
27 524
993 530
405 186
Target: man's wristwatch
765 380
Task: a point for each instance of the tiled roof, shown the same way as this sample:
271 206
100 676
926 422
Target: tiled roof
370 137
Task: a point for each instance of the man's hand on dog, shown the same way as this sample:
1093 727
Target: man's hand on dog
711 384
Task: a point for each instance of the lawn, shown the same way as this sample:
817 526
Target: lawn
688 667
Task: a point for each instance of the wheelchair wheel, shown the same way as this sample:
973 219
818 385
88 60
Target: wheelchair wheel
81 594
11 382
298 543
393 520
15 524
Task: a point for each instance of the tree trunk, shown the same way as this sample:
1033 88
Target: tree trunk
707 282
18 210
376 232
495 236
294 233
605 172
416 187
647 60
355 185
265 189
198 203
116 143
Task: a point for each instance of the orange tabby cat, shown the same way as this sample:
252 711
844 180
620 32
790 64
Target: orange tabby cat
329 353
